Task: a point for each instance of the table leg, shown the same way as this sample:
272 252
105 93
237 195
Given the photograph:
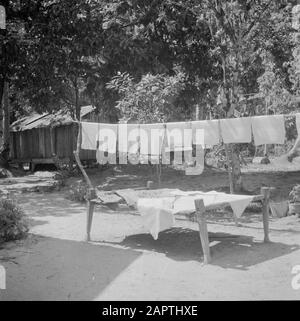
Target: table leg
90 211
200 214
89 219
265 211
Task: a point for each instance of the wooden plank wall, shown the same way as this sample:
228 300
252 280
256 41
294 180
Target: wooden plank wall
36 143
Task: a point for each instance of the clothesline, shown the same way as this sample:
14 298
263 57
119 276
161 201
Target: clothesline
284 115
268 129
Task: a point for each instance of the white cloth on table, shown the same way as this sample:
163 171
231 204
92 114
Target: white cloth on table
185 201
236 130
211 132
268 129
179 136
89 135
156 214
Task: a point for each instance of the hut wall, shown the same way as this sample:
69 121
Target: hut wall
63 141
32 143
36 143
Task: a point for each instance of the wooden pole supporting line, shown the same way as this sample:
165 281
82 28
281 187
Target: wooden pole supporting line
91 192
77 158
228 168
236 221
200 214
266 191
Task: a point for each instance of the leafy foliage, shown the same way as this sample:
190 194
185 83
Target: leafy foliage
294 195
57 55
240 31
272 88
64 53
294 66
13 224
149 100
78 192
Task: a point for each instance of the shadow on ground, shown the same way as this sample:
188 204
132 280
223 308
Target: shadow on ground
228 250
63 270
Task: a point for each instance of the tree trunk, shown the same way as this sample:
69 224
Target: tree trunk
5 113
4 101
232 154
5 148
236 171
1 90
236 175
77 106
227 152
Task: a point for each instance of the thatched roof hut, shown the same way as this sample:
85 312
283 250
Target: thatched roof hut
49 137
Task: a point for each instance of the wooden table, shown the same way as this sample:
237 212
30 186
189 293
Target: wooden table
201 209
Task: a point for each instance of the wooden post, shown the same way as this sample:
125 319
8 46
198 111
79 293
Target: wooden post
265 191
236 221
78 161
91 192
200 214
158 171
5 115
228 168
90 211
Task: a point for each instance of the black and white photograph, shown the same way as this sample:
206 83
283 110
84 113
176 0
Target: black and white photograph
149 153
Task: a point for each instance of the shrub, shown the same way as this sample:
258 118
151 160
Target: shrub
294 195
78 192
13 223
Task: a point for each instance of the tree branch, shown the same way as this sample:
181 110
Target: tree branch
253 24
220 14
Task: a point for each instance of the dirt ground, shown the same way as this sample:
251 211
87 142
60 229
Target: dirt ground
124 262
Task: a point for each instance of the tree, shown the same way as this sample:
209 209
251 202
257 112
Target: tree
18 16
272 87
294 70
239 31
75 52
149 100
154 37
58 57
